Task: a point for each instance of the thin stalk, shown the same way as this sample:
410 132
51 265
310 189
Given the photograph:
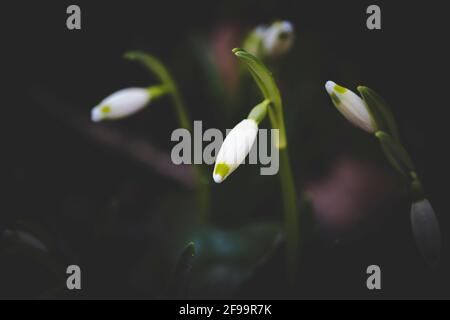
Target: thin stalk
291 223
184 120
266 83
202 186
290 212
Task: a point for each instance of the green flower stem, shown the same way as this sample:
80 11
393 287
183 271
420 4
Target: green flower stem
399 158
259 112
291 220
416 189
157 91
169 86
264 79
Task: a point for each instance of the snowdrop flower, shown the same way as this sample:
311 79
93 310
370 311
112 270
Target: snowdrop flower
235 148
121 104
278 38
426 231
351 106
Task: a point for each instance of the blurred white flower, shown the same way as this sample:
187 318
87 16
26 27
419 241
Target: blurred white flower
121 104
277 39
426 231
351 106
235 148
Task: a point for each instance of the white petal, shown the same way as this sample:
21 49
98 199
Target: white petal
121 104
235 148
351 106
426 231
217 178
273 44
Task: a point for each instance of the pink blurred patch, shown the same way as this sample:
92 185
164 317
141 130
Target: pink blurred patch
349 193
222 40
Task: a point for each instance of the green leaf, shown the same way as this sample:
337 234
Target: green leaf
266 83
263 77
396 154
379 110
178 286
225 258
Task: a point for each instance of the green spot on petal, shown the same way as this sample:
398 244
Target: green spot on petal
105 109
335 99
222 169
339 89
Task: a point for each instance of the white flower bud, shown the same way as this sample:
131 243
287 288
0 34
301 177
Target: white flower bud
121 104
278 38
351 106
235 148
426 231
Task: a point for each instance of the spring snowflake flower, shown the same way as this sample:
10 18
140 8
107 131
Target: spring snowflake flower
426 231
121 104
278 38
351 106
235 148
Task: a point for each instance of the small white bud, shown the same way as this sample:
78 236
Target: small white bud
235 148
121 104
278 38
425 227
351 106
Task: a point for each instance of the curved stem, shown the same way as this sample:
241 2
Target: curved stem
291 221
266 83
156 67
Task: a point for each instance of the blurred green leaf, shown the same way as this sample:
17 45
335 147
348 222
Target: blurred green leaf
226 258
262 76
178 287
379 110
266 83
396 154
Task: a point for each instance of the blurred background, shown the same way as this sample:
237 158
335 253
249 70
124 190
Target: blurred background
107 198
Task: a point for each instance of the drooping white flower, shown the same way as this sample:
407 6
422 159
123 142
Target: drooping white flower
425 227
278 38
235 148
121 104
351 106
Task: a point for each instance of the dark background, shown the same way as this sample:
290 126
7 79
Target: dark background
96 206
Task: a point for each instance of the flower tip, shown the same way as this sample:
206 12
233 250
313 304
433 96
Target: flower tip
361 88
426 231
217 178
96 115
329 86
287 26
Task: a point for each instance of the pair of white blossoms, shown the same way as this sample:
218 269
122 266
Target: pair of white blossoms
232 153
